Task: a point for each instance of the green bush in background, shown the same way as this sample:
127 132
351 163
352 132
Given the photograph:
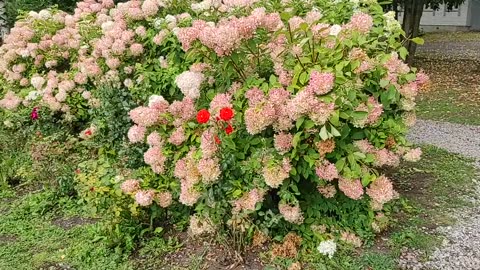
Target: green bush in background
14 7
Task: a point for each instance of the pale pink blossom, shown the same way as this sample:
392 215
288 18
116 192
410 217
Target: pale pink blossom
249 200
177 137
384 157
291 213
164 199
154 139
136 49
209 169
144 116
136 134
360 22
283 142
144 197
189 83
327 171
327 191
130 186
381 190
413 155
150 8
207 143
275 174
320 83
10 101
351 188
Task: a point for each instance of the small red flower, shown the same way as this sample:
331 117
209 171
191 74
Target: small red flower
88 132
203 116
77 171
226 114
217 140
229 129
34 114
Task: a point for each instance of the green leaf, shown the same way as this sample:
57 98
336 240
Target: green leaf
300 122
296 139
303 77
418 40
335 118
384 83
340 164
403 53
309 124
359 115
323 133
334 131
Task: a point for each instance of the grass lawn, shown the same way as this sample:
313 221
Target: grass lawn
453 63
37 234
456 105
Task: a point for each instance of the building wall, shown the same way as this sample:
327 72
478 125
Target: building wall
475 15
456 18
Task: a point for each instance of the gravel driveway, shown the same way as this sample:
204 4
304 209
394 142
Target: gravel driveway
461 248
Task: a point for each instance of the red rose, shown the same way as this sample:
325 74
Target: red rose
88 132
203 116
229 129
34 114
217 140
226 114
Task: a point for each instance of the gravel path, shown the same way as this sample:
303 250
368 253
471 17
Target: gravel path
461 249
455 138
451 49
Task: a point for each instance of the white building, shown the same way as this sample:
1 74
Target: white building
465 17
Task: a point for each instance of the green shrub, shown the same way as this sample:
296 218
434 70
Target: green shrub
254 117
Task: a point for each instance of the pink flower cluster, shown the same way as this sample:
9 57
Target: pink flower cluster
144 197
327 171
305 103
267 111
383 157
381 190
320 83
351 188
248 201
291 213
189 83
279 110
209 169
130 186
274 174
413 155
360 22
373 109
10 101
155 158
283 142
188 174
351 238
227 35
327 191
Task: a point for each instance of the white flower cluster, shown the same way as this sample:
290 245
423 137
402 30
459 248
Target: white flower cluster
205 5
392 25
327 248
189 83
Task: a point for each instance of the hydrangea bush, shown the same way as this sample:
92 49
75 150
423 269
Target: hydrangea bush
260 116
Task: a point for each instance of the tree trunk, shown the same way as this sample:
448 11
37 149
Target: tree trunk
395 8
413 10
